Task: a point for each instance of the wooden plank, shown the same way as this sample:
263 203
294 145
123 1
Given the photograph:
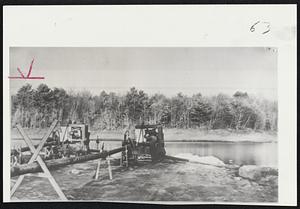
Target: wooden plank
98 169
63 138
28 142
57 188
51 179
126 155
109 168
41 145
20 179
40 161
16 185
121 160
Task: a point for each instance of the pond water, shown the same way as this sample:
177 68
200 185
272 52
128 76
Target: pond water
240 153
246 153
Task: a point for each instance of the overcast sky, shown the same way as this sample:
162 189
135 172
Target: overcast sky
208 71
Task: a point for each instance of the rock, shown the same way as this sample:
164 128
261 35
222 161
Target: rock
255 173
237 178
209 160
75 171
185 197
161 191
245 183
253 183
269 180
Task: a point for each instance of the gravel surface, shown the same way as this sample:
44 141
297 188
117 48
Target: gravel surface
164 181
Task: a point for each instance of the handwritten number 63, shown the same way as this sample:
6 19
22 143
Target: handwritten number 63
264 27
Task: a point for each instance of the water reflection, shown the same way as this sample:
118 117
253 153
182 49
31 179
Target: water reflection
239 153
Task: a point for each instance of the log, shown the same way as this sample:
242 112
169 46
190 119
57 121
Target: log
53 164
25 149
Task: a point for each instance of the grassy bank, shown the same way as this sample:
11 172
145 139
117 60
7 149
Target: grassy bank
175 135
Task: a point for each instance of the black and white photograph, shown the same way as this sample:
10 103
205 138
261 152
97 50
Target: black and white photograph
145 124
157 105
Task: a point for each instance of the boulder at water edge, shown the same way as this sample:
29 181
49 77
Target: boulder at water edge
75 171
256 173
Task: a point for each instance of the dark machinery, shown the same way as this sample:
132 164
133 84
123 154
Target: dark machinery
67 141
73 141
149 145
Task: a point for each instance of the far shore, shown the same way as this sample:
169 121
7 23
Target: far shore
173 135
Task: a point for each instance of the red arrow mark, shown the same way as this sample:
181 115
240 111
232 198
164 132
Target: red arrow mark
28 75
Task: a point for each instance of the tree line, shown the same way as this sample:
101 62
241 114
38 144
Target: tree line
37 108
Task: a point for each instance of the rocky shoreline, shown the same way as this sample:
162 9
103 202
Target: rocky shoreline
205 179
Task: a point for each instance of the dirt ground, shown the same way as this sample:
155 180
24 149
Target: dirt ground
164 181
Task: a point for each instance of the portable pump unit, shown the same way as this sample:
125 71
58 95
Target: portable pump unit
149 145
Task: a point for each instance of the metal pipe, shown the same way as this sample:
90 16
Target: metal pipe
52 164
25 149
